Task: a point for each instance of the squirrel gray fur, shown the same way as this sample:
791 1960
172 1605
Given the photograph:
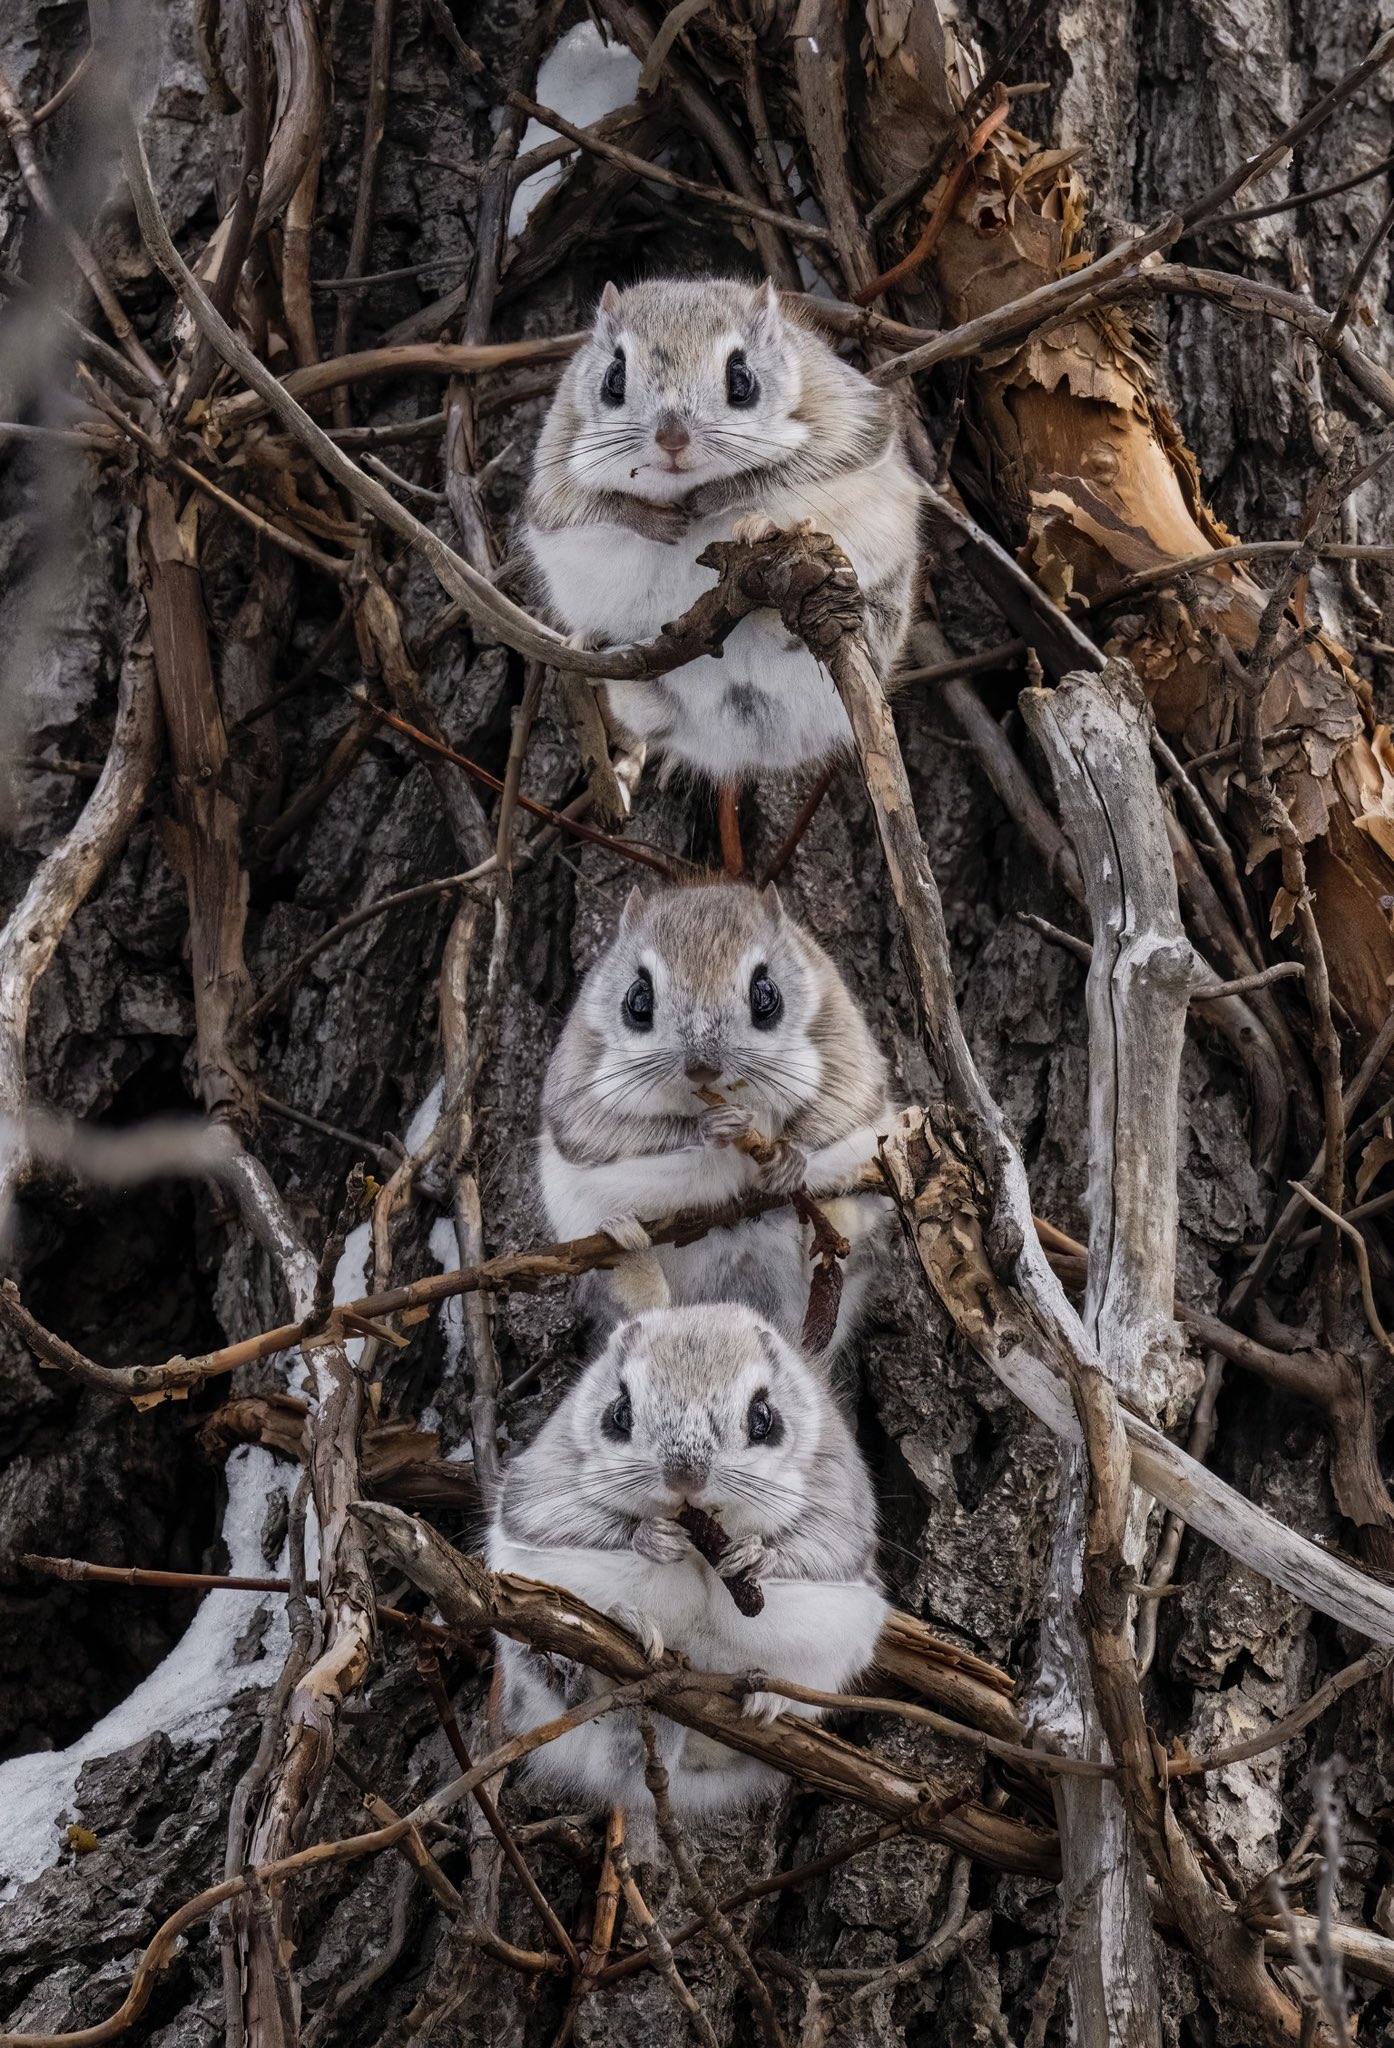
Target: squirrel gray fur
738 1001
706 1406
699 410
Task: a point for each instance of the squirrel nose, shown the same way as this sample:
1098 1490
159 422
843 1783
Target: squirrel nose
697 1070
684 1475
672 437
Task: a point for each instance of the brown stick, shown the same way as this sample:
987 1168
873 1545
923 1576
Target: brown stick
522 1272
34 930
208 839
407 359
473 1600
663 865
374 127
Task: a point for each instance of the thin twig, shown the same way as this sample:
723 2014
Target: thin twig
1349 298
1362 1260
698 1894
665 865
660 1950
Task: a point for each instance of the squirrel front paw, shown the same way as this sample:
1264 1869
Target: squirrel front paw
763 1707
661 1541
784 1169
626 1231
642 1626
746 1557
753 526
665 523
726 1124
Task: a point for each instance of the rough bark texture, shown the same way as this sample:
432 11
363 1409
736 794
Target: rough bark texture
1166 99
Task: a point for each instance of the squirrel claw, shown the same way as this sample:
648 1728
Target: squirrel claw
744 1558
785 1170
644 1627
661 1541
723 1125
753 526
726 1124
629 767
626 1231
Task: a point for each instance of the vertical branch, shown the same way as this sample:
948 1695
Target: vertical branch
208 837
208 831
295 265
35 928
348 1624
249 1785
233 241
819 36
463 1060
1039 1321
1095 731
374 127
490 246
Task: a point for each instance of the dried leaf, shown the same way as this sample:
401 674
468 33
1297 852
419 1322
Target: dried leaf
1377 1155
1284 909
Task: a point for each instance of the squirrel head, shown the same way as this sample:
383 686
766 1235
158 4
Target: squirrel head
685 381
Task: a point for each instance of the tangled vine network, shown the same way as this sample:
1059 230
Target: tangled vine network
303 512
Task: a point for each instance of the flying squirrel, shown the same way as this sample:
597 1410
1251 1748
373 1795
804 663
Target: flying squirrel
706 1409
699 409
713 1018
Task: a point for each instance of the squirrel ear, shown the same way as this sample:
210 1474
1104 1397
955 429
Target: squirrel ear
766 314
633 905
770 897
609 304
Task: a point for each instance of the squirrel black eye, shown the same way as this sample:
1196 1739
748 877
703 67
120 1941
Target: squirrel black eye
741 387
638 1004
619 1417
765 1000
612 383
760 1421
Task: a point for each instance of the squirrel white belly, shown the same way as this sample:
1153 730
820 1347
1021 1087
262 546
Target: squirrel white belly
698 406
711 1020
710 1408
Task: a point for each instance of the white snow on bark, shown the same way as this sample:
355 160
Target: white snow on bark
583 78
424 1120
187 1696
446 1252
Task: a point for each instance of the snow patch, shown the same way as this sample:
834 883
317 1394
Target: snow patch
424 1121
583 78
446 1253
186 1697
350 1284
